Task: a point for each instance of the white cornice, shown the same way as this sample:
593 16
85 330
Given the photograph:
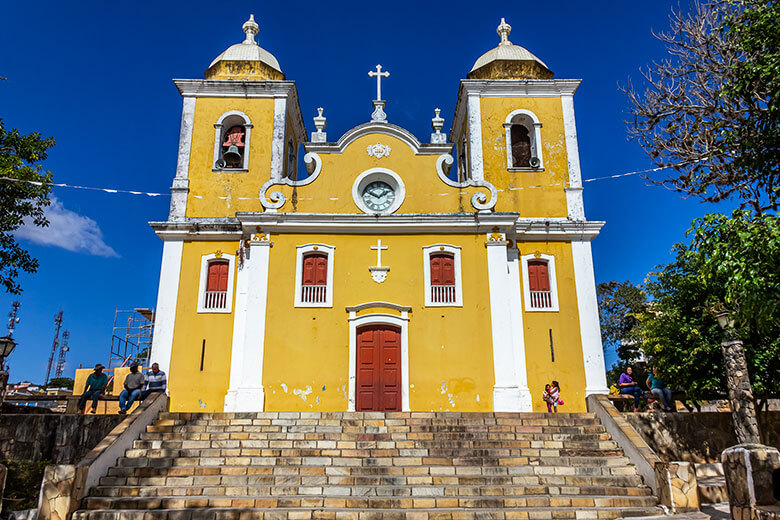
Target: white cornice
508 88
536 229
379 128
247 89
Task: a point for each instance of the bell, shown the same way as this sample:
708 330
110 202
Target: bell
232 155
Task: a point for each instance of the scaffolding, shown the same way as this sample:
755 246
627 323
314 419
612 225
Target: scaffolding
131 337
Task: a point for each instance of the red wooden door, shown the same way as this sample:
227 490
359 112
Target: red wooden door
538 276
218 276
378 386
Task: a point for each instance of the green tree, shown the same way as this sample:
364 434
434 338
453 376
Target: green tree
732 262
710 111
24 196
61 382
621 305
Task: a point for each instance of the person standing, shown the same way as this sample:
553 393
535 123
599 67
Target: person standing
659 389
156 381
629 386
132 391
93 389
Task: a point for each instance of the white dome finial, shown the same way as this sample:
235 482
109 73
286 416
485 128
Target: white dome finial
251 29
503 31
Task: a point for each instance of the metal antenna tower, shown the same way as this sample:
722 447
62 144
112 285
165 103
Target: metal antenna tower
57 325
63 351
12 319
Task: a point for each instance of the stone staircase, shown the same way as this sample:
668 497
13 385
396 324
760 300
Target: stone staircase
371 465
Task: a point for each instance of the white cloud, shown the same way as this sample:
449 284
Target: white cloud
67 230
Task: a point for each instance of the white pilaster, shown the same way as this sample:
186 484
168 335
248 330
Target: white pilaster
246 393
590 330
278 143
165 314
506 395
181 183
574 191
526 402
475 137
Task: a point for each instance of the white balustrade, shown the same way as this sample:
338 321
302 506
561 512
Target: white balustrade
541 300
314 293
443 293
216 300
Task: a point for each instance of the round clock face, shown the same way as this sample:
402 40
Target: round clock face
378 196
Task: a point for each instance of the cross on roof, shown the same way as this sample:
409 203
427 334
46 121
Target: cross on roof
378 75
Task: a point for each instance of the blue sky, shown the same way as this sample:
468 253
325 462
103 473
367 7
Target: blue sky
97 77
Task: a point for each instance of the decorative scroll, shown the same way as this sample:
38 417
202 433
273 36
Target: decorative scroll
480 200
276 199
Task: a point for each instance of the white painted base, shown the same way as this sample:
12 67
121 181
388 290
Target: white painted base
245 400
596 391
510 399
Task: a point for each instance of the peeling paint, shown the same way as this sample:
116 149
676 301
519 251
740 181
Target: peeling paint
284 387
323 388
302 393
343 390
444 387
201 403
318 400
478 398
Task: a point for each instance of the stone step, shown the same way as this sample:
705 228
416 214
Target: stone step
406 439
255 513
359 416
151 443
185 487
455 453
513 471
293 427
316 500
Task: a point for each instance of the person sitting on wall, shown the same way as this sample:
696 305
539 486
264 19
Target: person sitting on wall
629 386
156 381
659 389
93 389
132 391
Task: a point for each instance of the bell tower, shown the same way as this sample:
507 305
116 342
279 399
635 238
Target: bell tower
240 127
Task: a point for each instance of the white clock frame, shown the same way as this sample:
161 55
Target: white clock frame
378 174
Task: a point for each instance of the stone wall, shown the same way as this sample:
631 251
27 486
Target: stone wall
697 437
60 438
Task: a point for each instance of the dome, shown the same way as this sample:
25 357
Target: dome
245 60
509 61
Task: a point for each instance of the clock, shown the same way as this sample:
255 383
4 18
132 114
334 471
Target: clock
378 196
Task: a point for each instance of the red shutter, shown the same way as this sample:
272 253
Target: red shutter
538 277
442 269
218 276
315 269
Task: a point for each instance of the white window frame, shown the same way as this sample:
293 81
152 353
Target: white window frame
205 260
550 259
299 254
355 322
536 140
455 252
218 127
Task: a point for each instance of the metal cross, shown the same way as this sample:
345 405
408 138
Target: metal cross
379 247
378 75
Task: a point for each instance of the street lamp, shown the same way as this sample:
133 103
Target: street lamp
6 347
743 409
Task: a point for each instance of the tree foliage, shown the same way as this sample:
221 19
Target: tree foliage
620 308
61 382
730 262
711 110
20 157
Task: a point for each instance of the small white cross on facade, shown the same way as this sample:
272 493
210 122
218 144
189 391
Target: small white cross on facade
379 75
379 248
378 271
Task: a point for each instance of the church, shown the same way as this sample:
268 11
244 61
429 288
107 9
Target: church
387 272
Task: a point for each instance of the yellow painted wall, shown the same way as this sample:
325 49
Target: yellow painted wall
211 185
530 202
568 368
190 388
450 351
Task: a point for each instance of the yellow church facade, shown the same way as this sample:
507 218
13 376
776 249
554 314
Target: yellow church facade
388 273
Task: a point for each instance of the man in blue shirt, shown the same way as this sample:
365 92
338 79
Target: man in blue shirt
156 381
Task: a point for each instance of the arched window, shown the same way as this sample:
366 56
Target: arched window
539 284
217 285
232 133
314 276
521 146
523 141
442 278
